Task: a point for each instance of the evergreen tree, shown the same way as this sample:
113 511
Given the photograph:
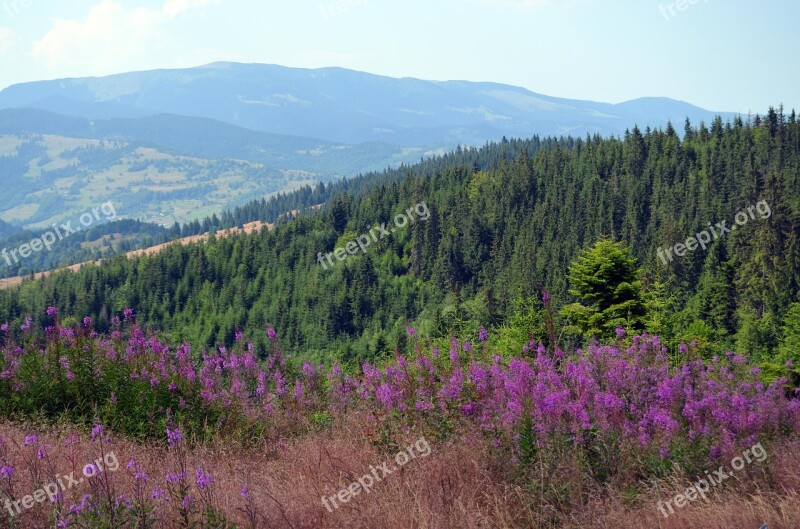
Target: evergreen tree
607 283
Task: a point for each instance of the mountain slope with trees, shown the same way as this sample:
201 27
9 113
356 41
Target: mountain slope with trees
506 222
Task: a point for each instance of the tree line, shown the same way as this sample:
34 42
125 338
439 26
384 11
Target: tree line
507 220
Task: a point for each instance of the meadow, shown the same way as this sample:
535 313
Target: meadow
237 437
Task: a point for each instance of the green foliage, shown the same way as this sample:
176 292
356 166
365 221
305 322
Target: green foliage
505 221
606 282
757 336
658 305
98 386
790 345
787 362
524 324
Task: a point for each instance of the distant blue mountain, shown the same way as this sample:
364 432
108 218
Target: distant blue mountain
340 105
207 138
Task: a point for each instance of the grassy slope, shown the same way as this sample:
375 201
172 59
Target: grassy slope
459 485
126 179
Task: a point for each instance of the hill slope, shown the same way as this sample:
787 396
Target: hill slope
163 168
504 222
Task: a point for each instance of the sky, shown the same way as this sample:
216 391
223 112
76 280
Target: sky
722 55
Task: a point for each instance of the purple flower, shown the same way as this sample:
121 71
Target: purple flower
87 321
122 499
545 296
6 471
308 370
173 436
31 439
411 331
171 477
483 335
423 406
97 433
271 333
52 312
204 479
455 359
620 332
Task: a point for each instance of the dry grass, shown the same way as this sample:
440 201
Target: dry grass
460 485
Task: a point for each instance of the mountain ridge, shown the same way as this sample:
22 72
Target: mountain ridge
325 103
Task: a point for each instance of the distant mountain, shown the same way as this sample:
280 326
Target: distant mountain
6 230
164 168
340 105
208 138
172 146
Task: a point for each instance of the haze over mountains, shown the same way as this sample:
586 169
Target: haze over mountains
171 146
340 105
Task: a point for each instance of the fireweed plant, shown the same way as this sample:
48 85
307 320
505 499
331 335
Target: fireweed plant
621 411
85 493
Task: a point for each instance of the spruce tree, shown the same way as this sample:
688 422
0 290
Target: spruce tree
607 284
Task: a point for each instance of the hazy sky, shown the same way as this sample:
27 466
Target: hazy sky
725 55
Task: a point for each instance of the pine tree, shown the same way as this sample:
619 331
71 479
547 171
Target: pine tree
606 282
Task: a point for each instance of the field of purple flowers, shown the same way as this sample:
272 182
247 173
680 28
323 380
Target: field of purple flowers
623 412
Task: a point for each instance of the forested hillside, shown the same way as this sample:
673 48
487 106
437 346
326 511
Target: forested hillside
505 222
162 169
97 242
